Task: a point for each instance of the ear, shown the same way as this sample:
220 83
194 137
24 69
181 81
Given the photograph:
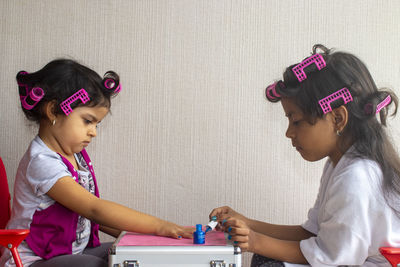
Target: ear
49 110
340 116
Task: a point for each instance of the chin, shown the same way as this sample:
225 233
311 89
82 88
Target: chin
77 150
305 156
310 158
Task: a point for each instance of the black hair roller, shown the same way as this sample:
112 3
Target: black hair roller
22 87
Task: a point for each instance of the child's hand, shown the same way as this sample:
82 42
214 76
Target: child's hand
224 213
241 235
175 231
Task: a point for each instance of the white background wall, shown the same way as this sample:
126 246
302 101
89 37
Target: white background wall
191 129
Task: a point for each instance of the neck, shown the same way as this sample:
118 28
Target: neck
342 147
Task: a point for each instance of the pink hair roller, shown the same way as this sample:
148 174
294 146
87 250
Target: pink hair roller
383 104
298 70
110 83
272 88
66 104
36 94
343 93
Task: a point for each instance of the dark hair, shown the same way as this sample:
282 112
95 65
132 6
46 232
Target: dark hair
60 79
364 130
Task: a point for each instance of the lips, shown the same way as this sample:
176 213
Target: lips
296 147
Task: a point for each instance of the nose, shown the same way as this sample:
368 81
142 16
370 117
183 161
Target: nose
289 132
93 131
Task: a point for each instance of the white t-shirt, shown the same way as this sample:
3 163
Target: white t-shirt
350 218
39 169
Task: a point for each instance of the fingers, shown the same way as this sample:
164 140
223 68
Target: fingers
239 233
235 226
219 211
222 222
183 232
224 212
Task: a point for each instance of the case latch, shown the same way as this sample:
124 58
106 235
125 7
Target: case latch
131 264
217 263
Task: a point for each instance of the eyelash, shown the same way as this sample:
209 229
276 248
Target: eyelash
296 123
87 122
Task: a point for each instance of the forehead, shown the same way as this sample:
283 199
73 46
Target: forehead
97 112
290 107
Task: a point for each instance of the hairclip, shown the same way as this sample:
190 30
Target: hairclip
383 104
299 68
343 93
110 84
272 89
66 104
33 95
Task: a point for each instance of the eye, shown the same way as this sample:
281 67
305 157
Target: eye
296 122
87 122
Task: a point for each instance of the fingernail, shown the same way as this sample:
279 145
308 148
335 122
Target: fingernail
229 237
179 236
235 242
224 221
229 229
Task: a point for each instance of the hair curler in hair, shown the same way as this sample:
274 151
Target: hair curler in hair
23 88
110 84
66 104
383 104
29 96
298 70
271 92
34 96
343 93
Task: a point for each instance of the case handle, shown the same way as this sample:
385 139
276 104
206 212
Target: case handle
131 263
217 263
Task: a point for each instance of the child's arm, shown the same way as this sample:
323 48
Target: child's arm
110 231
285 232
274 248
73 196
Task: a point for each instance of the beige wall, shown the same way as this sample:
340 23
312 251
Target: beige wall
191 129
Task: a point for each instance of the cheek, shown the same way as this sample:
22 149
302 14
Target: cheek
323 142
73 131
316 138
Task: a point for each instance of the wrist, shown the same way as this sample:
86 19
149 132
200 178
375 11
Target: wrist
249 222
253 241
159 226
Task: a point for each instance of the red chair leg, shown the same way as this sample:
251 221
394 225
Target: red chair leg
16 257
11 238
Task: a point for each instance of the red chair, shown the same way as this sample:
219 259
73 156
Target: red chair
392 255
10 238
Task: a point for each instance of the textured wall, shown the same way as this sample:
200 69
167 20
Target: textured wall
191 129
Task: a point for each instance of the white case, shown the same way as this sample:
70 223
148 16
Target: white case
172 256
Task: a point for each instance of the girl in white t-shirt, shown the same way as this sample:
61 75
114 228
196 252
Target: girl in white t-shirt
55 192
335 110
